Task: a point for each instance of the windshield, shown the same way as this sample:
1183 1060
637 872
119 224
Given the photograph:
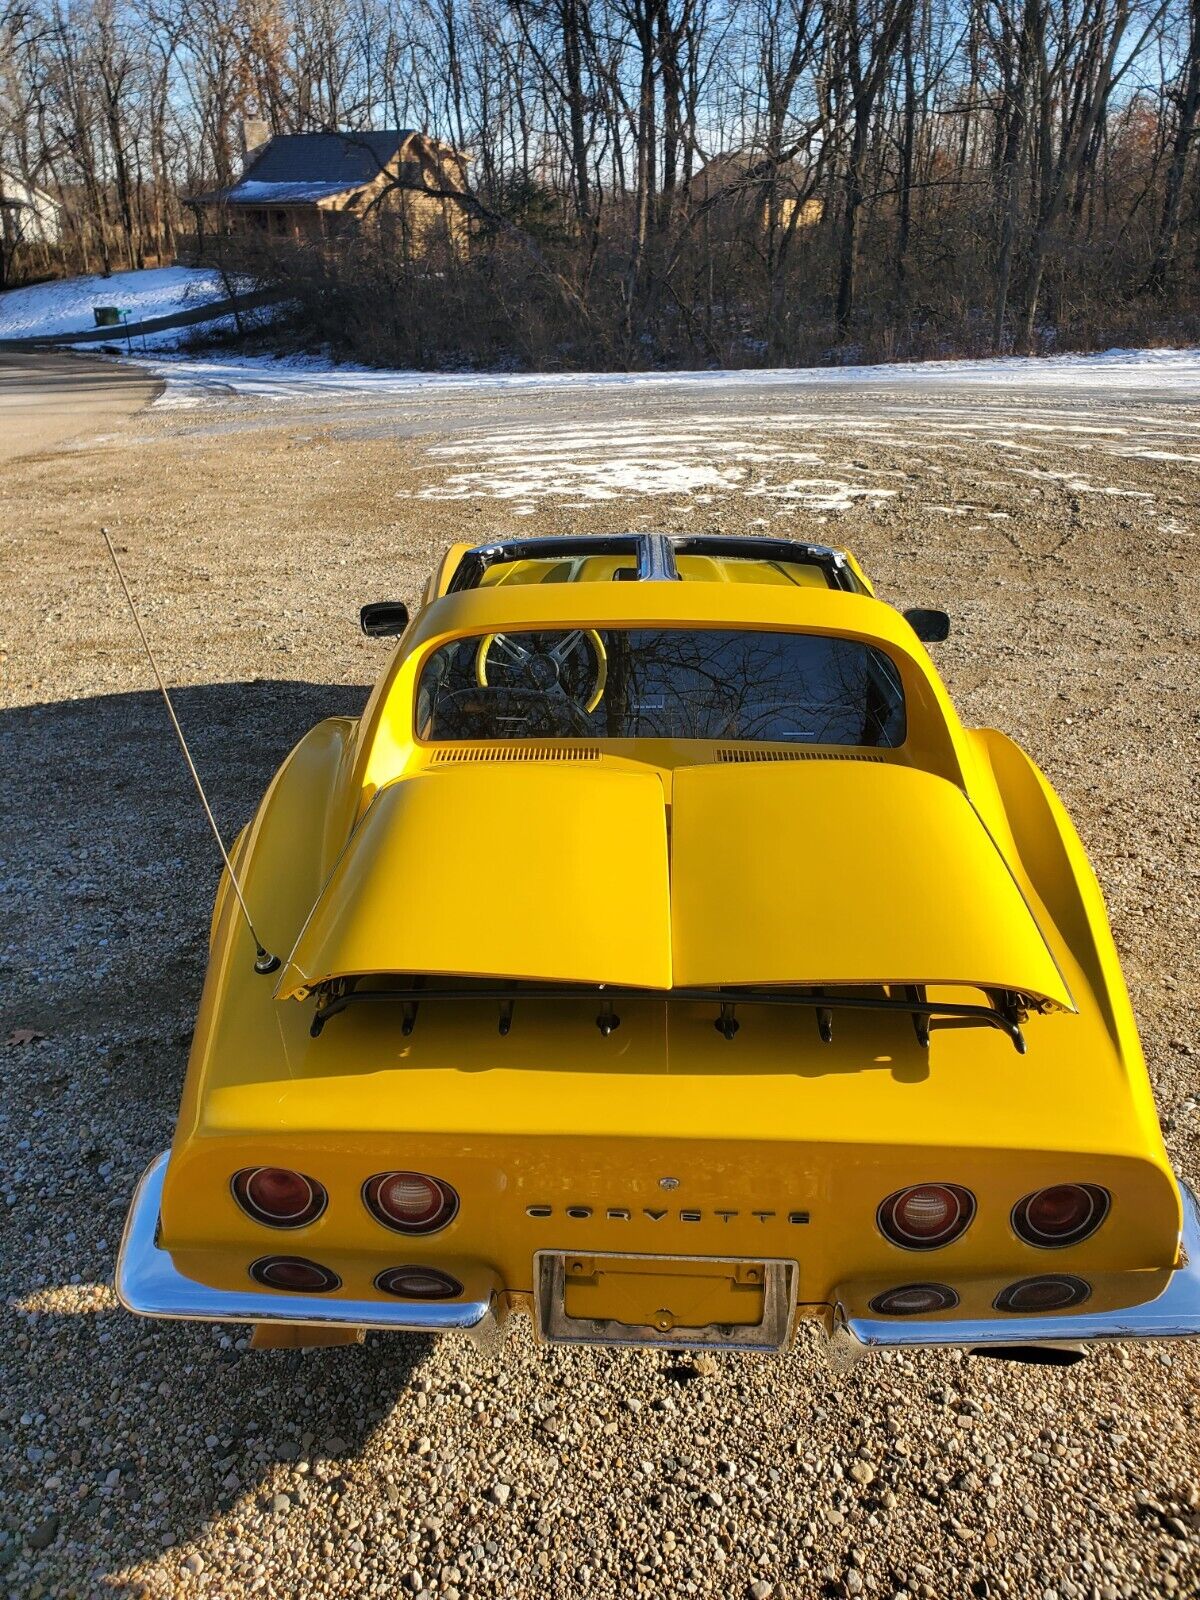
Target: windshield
661 683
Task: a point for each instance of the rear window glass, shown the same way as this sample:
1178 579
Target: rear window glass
662 683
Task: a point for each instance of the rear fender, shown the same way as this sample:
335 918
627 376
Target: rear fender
1031 825
282 859
284 856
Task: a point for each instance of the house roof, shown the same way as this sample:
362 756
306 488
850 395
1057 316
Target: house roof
250 192
303 168
298 169
744 168
345 159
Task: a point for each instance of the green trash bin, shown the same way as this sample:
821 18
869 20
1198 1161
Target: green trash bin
107 316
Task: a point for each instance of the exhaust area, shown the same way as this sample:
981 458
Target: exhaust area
1032 1355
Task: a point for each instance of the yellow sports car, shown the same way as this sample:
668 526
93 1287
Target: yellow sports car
658 955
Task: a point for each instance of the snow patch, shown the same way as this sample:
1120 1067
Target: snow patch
301 378
698 456
585 481
1078 485
66 306
266 194
799 437
820 494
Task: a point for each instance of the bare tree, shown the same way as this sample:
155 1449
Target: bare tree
1185 96
864 40
657 180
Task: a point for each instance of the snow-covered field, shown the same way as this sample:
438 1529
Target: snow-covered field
300 378
823 458
695 460
65 306
818 440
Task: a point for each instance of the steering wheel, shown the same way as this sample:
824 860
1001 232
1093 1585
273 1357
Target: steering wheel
541 670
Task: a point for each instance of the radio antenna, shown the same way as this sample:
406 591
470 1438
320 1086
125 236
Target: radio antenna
264 961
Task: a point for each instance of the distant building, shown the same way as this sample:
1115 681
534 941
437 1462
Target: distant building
732 190
27 215
310 186
807 212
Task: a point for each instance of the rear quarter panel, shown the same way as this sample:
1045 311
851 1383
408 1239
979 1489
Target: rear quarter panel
1032 827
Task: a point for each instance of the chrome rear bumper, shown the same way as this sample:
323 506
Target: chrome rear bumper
1175 1314
148 1284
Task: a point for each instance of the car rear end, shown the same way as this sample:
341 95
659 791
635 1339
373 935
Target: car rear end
680 1036
725 1188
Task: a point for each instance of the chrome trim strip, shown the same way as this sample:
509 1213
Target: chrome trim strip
148 1284
1175 1314
554 1326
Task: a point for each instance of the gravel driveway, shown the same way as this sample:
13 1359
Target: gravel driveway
154 1459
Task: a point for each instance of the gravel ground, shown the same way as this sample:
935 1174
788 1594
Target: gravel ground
143 1459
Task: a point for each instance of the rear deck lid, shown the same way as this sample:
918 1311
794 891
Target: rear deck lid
844 872
813 872
545 871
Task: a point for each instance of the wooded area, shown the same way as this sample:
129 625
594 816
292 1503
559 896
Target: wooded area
735 181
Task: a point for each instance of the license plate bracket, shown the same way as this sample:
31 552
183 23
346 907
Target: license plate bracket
639 1300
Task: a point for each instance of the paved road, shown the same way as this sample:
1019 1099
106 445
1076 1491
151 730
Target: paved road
45 399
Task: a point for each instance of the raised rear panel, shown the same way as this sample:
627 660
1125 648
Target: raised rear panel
551 872
836 872
813 873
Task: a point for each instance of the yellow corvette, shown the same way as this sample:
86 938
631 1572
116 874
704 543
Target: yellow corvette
658 955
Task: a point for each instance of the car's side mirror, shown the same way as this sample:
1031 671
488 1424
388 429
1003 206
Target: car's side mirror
382 618
931 626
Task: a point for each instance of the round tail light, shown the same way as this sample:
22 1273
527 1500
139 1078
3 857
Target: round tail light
926 1216
418 1283
1064 1214
278 1196
295 1273
915 1300
1057 1293
410 1202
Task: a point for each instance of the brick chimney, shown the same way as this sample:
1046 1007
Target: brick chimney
256 132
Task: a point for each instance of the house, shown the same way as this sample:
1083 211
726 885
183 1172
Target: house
27 215
311 186
731 190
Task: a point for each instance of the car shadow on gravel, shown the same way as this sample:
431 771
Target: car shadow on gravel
110 870
168 1430
139 1434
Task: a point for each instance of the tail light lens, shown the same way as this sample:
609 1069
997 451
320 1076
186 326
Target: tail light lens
294 1273
915 1300
418 1283
1057 1293
1064 1214
410 1202
278 1196
926 1216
